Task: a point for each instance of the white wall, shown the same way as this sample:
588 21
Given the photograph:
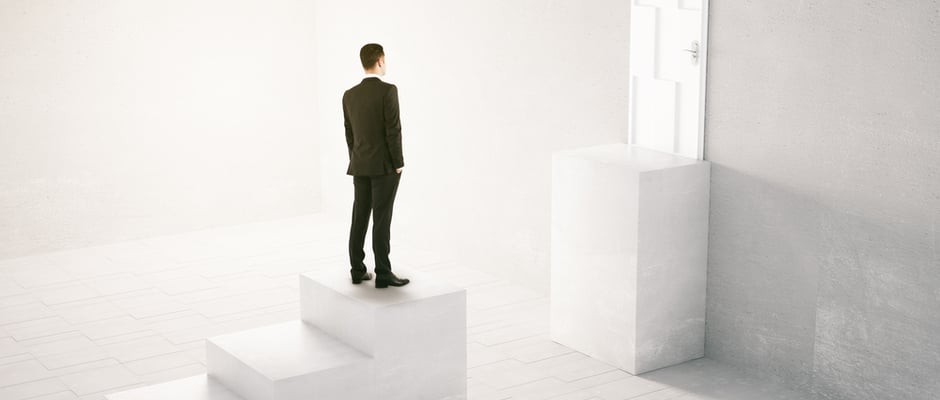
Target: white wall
488 89
123 119
822 130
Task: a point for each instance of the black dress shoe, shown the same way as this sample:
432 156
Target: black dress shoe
384 281
357 278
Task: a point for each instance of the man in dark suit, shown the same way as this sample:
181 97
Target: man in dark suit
373 135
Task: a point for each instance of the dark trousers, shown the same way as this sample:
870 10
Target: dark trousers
375 194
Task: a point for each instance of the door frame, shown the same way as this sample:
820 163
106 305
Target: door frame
703 60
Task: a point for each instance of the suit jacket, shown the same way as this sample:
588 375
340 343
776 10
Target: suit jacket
373 128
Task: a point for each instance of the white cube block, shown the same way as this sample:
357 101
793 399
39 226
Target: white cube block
290 361
629 254
417 334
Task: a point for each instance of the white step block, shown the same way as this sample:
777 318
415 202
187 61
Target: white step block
629 253
290 361
198 387
417 333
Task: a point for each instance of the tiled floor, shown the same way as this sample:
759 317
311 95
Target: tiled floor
82 323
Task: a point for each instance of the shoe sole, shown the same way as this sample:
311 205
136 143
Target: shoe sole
383 285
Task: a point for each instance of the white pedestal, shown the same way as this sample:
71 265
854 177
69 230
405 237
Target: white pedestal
629 254
417 334
354 342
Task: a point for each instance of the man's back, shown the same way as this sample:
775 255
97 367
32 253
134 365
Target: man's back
373 128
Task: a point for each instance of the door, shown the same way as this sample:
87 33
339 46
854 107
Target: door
667 75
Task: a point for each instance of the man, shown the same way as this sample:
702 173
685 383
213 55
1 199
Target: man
373 135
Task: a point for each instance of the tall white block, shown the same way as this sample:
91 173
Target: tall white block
629 254
290 361
417 334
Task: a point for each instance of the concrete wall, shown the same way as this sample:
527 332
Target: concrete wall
824 257
123 119
488 90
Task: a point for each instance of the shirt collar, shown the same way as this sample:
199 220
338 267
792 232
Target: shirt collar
373 76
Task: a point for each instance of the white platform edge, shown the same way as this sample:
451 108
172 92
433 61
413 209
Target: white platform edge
196 387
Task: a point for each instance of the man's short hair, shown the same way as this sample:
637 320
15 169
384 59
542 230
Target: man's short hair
370 54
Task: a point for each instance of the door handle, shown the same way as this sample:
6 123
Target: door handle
693 50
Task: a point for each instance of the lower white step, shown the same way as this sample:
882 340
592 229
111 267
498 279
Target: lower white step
289 361
198 387
416 333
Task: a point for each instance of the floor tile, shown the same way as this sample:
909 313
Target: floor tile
119 283
17 299
58 294
9 347
31 278
572 366
99 379
110 327
125 337
172 373
15 358
9 287
478 354
32 389
64 343
38 328
57 362
86 366
67 395
24 312
249 301
155 364
185 284
174 322
140 348
626 388
505 374
22 372
508 334
88 311
532 349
